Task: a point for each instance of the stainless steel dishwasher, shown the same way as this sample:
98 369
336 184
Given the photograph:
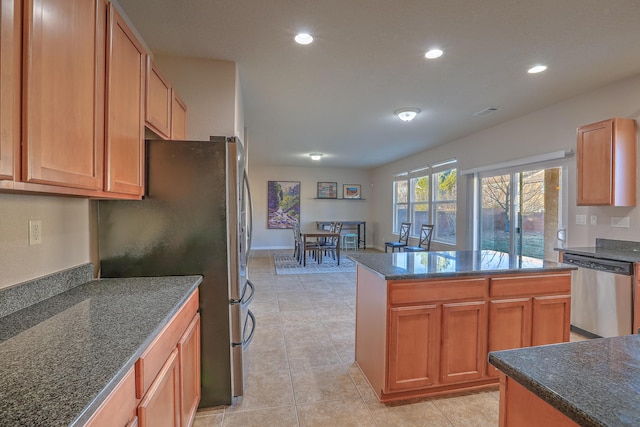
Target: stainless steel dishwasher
601 296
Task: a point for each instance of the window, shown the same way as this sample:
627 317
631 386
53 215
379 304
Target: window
400 201
445 193
419 200
427 196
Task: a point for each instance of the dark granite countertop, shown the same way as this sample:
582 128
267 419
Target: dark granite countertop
617 250
60 358
595 383
425 265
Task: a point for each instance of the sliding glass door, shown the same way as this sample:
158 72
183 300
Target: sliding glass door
521 212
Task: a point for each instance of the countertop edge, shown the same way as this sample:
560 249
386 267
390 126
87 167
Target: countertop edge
544 393
100 398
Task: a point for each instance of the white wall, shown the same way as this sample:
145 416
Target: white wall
546 130
310 210
65 236
210 89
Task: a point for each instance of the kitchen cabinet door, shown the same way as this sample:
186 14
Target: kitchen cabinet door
158 103
551 319
120 406
64 83
189 352
125 108
178 117
464 341
606 160
161 405
509 326
10 55
413 347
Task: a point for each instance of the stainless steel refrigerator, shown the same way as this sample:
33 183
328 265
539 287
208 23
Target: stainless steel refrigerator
195 218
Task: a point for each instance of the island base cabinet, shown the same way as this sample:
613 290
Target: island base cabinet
519 407
414 344
464 336
509 326
551 319
161 405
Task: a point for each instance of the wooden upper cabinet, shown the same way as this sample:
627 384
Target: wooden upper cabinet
126 59
158 104
607 163
63 92
10 56
178 117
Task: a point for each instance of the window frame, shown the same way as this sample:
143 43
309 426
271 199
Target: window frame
410 178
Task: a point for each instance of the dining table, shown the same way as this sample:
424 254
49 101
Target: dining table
319 234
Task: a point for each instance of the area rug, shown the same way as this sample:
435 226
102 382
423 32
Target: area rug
287 264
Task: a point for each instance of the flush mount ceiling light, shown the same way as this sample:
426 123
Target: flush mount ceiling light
316 156
407 114
303 38
433 54
537 69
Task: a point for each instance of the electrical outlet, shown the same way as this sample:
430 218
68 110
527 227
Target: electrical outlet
581 219
594 219
35 232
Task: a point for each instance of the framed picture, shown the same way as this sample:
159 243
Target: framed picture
327 190
283 199
351 191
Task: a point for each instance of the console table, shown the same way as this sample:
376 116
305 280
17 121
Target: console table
361 226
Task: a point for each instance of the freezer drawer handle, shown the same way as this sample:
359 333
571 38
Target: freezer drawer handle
246 300
247 340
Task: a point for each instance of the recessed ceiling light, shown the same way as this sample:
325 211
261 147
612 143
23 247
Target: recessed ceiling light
407 114
537 69
433 54
316 156
303 38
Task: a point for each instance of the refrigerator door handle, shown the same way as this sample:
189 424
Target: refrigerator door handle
247 340
250 217
244 300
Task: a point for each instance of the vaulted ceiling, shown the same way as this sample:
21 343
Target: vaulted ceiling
337 95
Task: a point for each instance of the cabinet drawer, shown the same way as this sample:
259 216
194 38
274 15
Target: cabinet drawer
437 290
119 407
152 360
530 285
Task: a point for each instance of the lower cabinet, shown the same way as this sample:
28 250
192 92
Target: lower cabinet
189 352
520 407
551 319
414 345
464 341
439 333
161 405
163 388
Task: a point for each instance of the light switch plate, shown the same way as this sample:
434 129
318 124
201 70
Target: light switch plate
594 220
620 221
581 219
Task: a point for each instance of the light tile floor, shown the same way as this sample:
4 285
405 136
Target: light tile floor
300 368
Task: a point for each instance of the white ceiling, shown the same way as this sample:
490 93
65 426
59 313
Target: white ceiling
337 95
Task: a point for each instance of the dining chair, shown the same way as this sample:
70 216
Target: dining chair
310 247
403 238
330 244
424 244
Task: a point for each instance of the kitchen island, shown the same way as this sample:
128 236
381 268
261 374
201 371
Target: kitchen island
426 321
62 358
587 383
